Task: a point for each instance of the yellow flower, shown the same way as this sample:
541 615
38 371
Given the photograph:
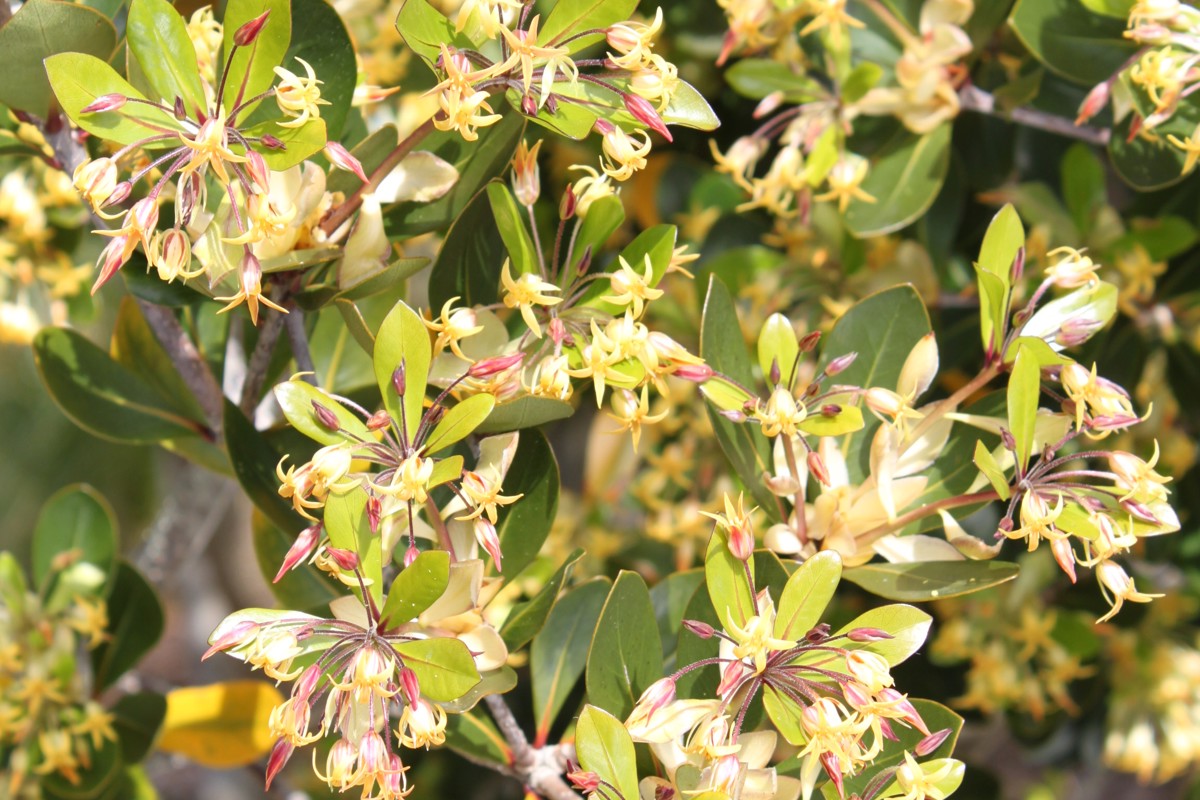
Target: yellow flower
633 412
465 111
633 40
1116 580
299 97
422 725
452 326
756 642
830 14
599 358
96 180
845 182
249 290
524 293
96 724
625 155
1037 521
210 148
782 414
485 495
58 755
589 189
632 288
1071 271
1190 146
90 618
525 50
410 480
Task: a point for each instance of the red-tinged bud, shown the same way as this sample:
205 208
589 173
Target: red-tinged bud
279 757
908 712
399 379
260 173
888 732
238 634
733 415
657 696
664 792
830 410
410 686
698 628
105 102
774 374
179 109
434 415
494 365
932 742
552 103
566 207
1114 422
272 142
374 513
326 417
732 674
1007 439
379 420
1135 127
1018 265
603 127
303 688
249 31
300 550
120 194
833 768
585 263
1064 554
410 555
642 110
529 106
868 635
1094 103
1141 511
586 782
741 542
768 104
341 158
809 341
816 467
697 373
1005 526
345 559
818 633
557 331
489 539
840 364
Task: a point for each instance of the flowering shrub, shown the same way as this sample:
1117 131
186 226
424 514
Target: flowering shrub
888 334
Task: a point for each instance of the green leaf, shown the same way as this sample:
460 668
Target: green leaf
476 737
1083 185
78 79
468 265
807 593
40 29
297 399
424 29
511 224
252 70
993 308
1072 41
254 461
785 715
658 243
526 620
758 77
524 525
848 420
299 143
157 37
626 654
524 412
603 218
670 597
348 529
1005 236
882 328
691 648
445 470
138 718
777 343
604 747
1024 390
905 178
930 580
304 588
729 586
569 17
908 626
497 681
460 421
78 520
100 395
444 667
12 583
568 119
403 338
723 348
991 469
689 109
416 588
135 623
560 650
319 37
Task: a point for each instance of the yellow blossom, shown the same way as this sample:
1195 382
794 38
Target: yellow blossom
527 291
632 412
632 288
298 97
845 182
452 326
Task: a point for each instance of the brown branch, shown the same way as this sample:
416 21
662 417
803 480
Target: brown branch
192 367
539 768
972 98
260 362
294 324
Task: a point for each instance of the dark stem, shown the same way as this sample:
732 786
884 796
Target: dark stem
294 322
187 360
260 361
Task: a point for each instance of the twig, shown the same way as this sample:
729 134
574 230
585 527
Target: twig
972 98
539 768
260 362
192 367
294 323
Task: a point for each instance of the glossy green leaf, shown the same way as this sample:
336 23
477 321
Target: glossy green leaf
568 118
40 29
777 344
604 747
417 587
319 37
403 339
723 348
138 718
882 328
848 420
758 77
1094 304
469 263
930 580
305 587
100 395
157 37
1037 349
785 716
569 17
298 143
671 596
1004 238
625 656
445 470
991 469
725 394
807 593
1084 185
512 224
729 586
135 623
78 522
1024 390
524 525
604 217
78 79
905 178
560 650
252 70
424 28
460 421
689 109
691 648
135 346
347 526
254 462
497 681
298 400
993 308
475 736
444 667
1070 40
526 620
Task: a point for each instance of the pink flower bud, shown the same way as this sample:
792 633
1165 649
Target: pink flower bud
279 757
557 331
272 142
603 127
586 782
105 102
301 549
701 629
494 365
818 633
566 207
809 341
410 555
658 695
326 417
833 768
239 634
733 415
303 688
249 31
741 542
488 538
840 364
1018 265
645 113
1094 103
1064 554
410 685
816 467
732 674
697 373
908 712
868 635
932 742
374 513
345 559
379 420
399 380
529 106
341 158
260 173
179 109
120 194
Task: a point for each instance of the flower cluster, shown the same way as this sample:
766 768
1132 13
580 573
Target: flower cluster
50 723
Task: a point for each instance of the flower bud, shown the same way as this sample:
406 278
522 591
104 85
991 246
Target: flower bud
96 181
732 674
586 782
374 513
249 31
410 686
345 559
1094 103
741 542
697 373
326 417
1064 554
645 113
171 254
279 757
106 102
399 381
818 633
179 109
239 634
768 104
809 341
1018 265
774 375
932 742
700 629
272 142
526 178
119 194
733 415
840 364
868 635
494 365
341 158
301 549
410 555
816 467
488 539
379 420
566 206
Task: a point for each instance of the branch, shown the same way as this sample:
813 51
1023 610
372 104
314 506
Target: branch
539 768
187 360
294 324
972 98
260 362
